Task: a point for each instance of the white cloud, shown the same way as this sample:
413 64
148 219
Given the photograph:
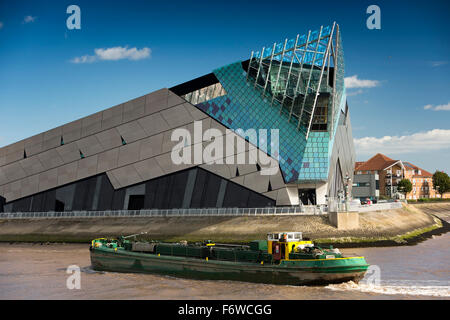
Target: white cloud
29 19
354 82
114 54
83 59
438 63
442 107
436 139
118 53
354 93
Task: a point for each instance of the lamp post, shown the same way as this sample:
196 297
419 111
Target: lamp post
347 181
392 187
341 197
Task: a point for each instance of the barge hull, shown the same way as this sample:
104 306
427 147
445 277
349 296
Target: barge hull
192 268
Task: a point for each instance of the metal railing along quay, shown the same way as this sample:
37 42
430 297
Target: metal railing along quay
376 207
299 210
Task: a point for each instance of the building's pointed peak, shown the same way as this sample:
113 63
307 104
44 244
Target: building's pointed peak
381 156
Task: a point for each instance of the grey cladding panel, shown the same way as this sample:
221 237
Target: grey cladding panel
129 153
176 116
14 156
87 167
69 152
33 145
67 173
91 124
153 124
13 171
173 99
134 109
126 176
48 179
30 185
148 169
156 101
112 117
107 160
151 146
50 159
131 131
52 138
31 165
109 138
89 146
72 131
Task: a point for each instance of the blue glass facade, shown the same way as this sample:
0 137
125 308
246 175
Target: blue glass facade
243 107
251 101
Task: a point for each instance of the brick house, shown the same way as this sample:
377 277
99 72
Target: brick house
391 171
422 182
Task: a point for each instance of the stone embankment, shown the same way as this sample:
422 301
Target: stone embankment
408 225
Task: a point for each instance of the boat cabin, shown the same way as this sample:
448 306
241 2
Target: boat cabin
280 244
286 236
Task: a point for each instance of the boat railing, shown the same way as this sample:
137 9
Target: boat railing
180 212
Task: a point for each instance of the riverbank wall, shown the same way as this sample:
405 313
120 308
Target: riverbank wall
392 227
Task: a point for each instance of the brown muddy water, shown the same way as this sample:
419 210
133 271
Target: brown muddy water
34 271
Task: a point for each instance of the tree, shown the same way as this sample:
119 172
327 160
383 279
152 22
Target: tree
404 186
441 182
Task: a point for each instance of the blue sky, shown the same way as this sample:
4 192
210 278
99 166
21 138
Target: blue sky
402 110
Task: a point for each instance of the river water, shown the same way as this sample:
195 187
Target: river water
34 271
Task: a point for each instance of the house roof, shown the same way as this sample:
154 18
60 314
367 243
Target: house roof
358 163
377 162
381 162
423 173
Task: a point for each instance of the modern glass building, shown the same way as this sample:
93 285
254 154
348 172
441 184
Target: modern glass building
286 105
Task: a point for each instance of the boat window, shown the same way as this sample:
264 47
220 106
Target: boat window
270 236
298 236
290 236
275 236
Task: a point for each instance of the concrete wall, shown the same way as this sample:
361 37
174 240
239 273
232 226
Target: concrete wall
223 229
344 220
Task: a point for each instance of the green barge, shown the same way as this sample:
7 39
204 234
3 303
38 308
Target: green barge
284 258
